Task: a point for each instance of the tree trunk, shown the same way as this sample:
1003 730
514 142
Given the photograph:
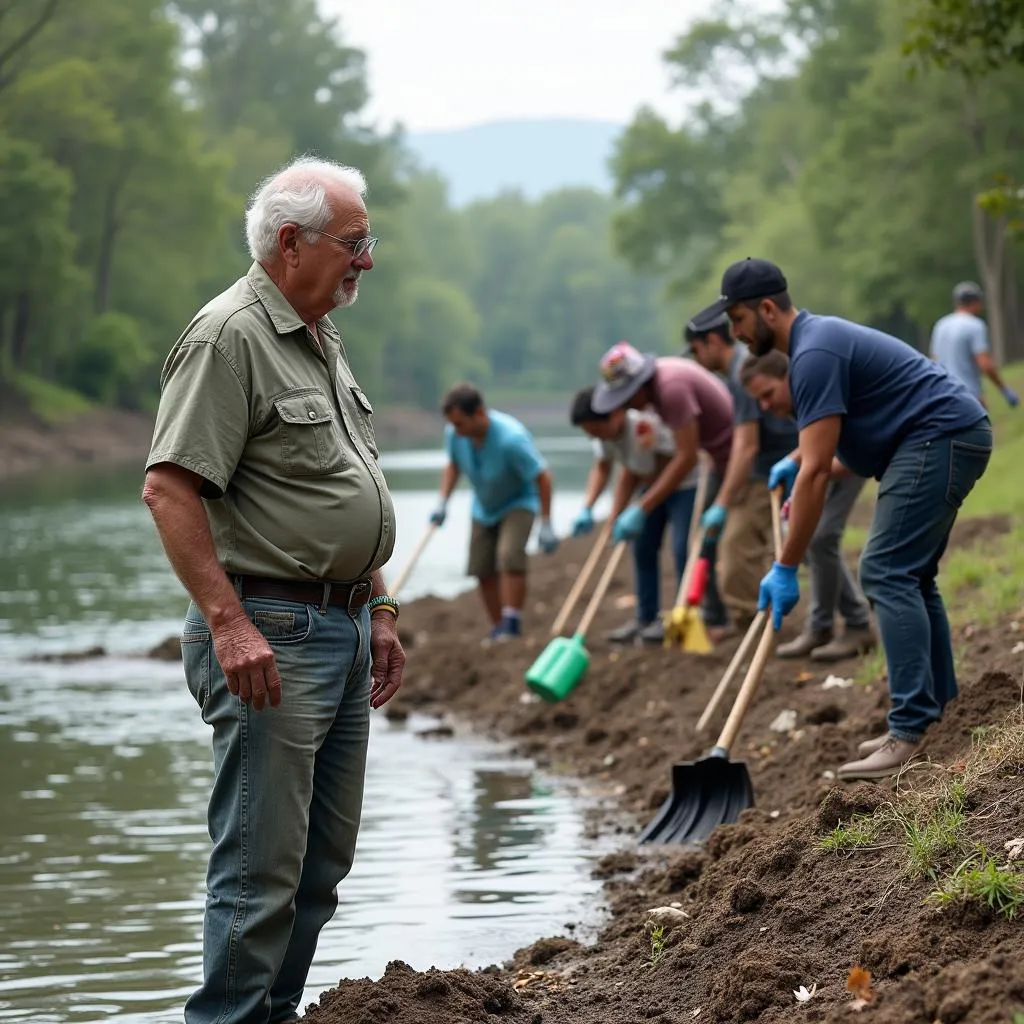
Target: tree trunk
19 331
108 237
1014 344
990 252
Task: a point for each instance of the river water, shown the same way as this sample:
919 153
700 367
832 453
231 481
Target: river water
465 852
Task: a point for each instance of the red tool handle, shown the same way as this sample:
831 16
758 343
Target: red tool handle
699 582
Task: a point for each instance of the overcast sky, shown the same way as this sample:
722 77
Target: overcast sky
437 64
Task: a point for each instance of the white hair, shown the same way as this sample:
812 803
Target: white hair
295 194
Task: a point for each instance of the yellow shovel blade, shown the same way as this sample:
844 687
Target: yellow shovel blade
675 622
695 636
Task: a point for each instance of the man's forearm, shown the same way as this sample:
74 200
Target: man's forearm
544 491
449 480
625 485
807 502
669 479
184 531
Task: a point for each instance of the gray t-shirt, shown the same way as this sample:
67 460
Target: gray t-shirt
644 437
956 339
777 436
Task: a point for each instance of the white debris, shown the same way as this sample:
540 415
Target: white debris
773 814
1017 647
805 995
836 683
1014 848
528 698
785 721
828 774
609 760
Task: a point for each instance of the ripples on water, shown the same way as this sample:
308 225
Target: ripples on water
465 853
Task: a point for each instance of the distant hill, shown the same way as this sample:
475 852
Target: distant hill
532 156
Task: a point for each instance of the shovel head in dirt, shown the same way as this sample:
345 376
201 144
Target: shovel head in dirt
706 793
684 627
713 790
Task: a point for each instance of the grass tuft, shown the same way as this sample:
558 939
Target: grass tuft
858 833
979 879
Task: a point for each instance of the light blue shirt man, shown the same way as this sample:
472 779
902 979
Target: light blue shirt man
502 470
957 340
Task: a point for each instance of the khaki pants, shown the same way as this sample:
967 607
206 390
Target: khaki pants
745 550
502 547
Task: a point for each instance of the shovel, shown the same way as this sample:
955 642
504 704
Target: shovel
564 662
713 790
684 627
581 581
413 559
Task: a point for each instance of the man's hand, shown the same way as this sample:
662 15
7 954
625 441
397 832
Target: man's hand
1011 396
779 589
439 515
388 658
629 524
248 663
583 523
546 539
714 519
782 474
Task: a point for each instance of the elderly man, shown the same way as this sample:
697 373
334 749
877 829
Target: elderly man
695 406
741 514
888 412
960 344
511 485
265 487
833 590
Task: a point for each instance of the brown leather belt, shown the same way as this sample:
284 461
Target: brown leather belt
353 596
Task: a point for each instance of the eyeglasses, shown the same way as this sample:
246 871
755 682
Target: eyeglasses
357 246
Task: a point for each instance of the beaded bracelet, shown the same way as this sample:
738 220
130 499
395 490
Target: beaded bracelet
385 601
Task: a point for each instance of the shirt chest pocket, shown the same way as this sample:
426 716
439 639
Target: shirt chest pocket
364 420
310 435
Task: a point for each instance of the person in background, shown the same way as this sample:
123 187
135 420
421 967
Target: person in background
740 517
642 445
697 409
264 483
511 486
833 588
889 412
960 344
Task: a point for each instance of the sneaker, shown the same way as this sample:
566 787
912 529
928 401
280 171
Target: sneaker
889 759
852 644
868 747
624 634
809 640
509 628
652 633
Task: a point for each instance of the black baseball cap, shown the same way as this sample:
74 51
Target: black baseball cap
747 279
706 321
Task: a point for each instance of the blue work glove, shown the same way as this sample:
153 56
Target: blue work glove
779 589
714 518
439 515
546 539
583 523
782 474
629 524
1012 398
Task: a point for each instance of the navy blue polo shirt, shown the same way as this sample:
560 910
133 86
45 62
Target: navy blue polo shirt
886 392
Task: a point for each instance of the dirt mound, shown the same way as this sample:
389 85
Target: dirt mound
769 909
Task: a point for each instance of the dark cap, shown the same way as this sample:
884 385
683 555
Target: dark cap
708 320
747 279
967 291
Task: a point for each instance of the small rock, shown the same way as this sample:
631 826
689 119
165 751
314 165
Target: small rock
667 917
1018 647
166 650
836 683
785 721
609 760
528 698
829 775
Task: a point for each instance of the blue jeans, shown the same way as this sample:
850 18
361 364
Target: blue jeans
919 496
285 806
676 510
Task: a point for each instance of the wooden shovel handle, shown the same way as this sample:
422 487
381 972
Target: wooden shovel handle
737 659
602 586
696 535
582 579
413 559
748 689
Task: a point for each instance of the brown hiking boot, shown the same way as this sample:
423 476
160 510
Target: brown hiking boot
852 644
868 747
889 759
809 640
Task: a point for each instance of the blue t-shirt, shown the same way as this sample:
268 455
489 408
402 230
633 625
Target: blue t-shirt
777 437
502 471
956 339
886 392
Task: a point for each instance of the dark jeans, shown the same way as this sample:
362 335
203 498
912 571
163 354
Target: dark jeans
919 496
676 510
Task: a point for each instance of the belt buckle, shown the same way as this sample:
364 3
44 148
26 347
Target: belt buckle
359 589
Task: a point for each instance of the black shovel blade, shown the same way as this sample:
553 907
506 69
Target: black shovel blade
705 794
